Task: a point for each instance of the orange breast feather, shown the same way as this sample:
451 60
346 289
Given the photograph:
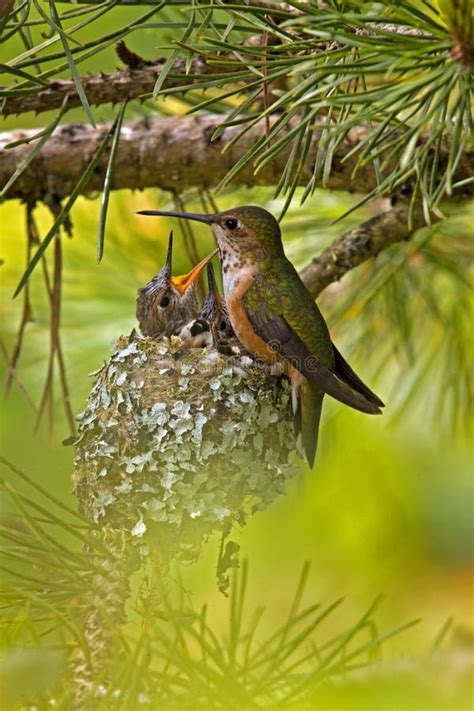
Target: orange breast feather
242 326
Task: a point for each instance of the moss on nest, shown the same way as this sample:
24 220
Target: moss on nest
177 443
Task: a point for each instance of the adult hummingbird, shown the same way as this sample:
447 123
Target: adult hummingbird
276 319
167 301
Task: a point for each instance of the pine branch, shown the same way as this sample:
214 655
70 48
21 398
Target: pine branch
134 82
364 242
139 77
327 70
175 154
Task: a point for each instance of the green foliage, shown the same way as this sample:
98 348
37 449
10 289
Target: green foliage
389 71
171 656
417 299
383 66
117 126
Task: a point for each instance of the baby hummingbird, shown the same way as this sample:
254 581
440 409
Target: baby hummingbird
167 302
212 327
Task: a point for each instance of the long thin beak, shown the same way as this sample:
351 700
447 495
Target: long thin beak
181 283
207 219
169 257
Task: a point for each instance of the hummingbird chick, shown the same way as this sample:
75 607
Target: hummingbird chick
214 310
276 319
212 328
167 302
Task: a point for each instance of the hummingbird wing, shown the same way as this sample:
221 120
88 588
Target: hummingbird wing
278 334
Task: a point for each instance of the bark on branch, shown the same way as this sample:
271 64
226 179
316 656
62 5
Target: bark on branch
172 154
129 83
364 242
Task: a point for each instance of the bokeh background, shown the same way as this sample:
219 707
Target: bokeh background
388 508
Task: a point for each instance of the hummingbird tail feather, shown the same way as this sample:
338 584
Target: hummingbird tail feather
310 405
344 371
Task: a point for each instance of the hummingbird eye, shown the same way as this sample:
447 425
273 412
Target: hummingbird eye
165 302
231 223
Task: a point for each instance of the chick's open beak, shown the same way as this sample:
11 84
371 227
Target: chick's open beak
182 282
169 257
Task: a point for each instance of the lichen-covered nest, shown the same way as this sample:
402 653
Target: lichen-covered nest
176 443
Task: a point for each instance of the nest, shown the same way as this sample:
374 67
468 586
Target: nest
176 444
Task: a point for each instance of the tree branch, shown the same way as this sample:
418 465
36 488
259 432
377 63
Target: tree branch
139 77
364 242
172 154
129 83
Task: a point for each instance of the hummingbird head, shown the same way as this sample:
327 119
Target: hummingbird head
166 299
248 229
243 230
158 301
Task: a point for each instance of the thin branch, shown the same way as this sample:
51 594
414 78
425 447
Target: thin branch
53 291
12 373
134 82
26 315
47 398
364 242
140 76
176 154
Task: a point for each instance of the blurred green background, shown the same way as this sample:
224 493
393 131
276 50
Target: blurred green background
388 508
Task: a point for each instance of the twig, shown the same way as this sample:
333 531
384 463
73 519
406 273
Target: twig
14 375
212 200
47 400
132 83
65 389
26 314
54 295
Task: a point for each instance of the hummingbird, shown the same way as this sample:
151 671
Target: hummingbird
277 320
167 302
212 327
214 310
